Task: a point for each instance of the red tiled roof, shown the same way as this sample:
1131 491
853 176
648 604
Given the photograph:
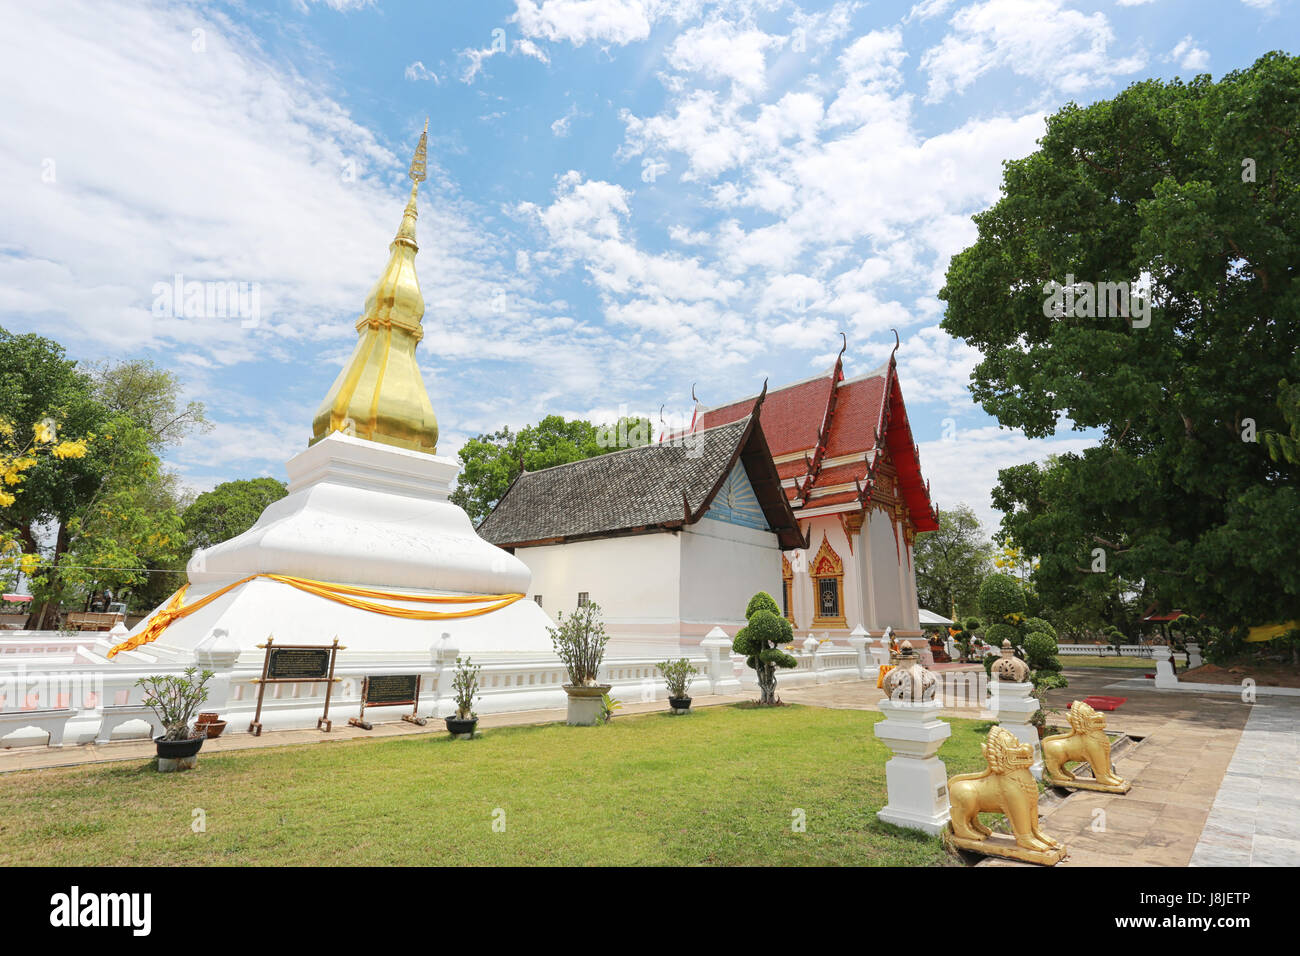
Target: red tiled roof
791 416
857 413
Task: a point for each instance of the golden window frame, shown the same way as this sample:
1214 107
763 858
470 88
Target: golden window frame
827 565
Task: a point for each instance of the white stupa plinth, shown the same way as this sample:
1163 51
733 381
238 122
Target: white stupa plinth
359 513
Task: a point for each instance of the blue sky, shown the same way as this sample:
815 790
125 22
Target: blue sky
625 197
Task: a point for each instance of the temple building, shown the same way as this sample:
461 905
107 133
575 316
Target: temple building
812 492
851 472
670 539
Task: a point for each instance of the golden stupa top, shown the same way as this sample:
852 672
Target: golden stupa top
380 393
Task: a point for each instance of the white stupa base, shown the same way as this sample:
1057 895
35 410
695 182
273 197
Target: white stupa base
358 513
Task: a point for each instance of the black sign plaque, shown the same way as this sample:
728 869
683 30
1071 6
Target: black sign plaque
299 663
391 689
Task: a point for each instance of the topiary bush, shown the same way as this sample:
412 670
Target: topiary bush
998 633
1039 625
1002 599
1040 652
759 641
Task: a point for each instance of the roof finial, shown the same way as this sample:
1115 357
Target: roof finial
420 161
891 354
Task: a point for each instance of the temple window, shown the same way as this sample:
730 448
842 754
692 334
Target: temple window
538 599
584 598
827 572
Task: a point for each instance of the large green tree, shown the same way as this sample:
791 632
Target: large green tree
951 562
104 516
1192 189
229 509
491 462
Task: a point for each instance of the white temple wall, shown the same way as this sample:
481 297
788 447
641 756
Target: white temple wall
722 566
885 571
635 579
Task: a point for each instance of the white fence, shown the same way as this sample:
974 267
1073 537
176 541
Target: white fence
71 694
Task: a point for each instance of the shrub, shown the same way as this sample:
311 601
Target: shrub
1037 625
176 698
464 686
998 633
677 675
1001 598
579 642
762 601
1040 652
972 624
759 642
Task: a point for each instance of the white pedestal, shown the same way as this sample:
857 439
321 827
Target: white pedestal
1193 655
916 777
880 652
858 641
1164 668
1013 706
722 674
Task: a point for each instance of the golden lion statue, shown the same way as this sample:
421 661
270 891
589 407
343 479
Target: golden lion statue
1006 787
1086 741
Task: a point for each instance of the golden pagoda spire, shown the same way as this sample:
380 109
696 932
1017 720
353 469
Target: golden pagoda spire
380 394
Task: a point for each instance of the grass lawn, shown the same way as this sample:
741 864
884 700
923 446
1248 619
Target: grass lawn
1129 663
716 787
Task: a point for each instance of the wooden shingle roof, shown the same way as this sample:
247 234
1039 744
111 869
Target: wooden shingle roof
661 486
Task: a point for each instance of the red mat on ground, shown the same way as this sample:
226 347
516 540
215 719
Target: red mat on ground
1104 703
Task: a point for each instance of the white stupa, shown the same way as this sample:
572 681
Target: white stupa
367 508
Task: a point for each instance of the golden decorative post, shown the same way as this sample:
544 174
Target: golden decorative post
1006 787
1086 741
380 393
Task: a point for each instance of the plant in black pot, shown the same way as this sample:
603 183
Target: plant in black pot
677 675
176 698
465 687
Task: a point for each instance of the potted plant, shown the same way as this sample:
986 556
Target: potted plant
465 686
579 642
175 698
677 675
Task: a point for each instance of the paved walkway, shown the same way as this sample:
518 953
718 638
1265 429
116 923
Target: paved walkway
1180 770
1255 820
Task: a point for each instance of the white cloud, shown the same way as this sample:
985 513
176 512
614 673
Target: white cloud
964 467
418 71
719 49
606 21
1188 55
1044 40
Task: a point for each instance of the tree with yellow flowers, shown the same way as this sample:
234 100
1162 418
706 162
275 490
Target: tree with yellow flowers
85 501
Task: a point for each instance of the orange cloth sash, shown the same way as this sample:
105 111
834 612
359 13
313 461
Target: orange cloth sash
350 595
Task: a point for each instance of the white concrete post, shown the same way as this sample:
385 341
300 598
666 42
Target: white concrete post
858 641
1013 704
722 674
218 653
916 777
443 656
1164 669
880 652
1193 655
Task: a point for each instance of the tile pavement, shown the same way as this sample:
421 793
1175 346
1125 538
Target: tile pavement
1255 818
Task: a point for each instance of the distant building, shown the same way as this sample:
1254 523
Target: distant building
812 492
670 539
851 472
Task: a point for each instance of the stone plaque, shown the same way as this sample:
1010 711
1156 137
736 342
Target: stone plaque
388 689
298 663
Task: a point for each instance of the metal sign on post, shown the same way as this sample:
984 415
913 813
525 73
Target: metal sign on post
297 664
389 690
